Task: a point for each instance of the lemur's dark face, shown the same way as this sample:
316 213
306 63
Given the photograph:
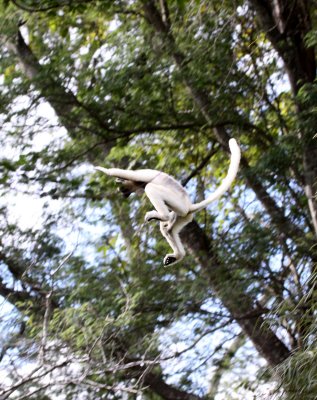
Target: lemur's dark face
127 187
125 191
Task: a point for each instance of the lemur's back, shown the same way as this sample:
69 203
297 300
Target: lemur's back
168 181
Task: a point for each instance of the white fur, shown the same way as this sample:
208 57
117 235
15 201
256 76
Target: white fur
173 207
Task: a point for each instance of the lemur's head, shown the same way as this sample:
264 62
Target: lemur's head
127 187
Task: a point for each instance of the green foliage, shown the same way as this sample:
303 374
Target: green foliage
101 83
298 373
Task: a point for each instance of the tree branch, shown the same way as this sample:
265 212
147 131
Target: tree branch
15 296
42 9
33 376
200 166
277 215
241 307
168 392
286 24
62 100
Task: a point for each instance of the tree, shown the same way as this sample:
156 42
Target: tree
162 84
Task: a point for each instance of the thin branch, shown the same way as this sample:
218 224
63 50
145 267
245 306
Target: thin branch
224 364
29 394
200 166
63 262
11 342
30 378
30 9
47 315
98 385
41 9
165 13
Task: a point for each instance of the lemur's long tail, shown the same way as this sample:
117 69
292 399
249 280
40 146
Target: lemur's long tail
226 183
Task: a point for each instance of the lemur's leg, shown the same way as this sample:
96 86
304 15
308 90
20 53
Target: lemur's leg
170 240
173 239
151 215
141 175
173 217
165 198
154 194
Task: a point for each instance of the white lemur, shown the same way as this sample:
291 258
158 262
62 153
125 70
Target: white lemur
173 207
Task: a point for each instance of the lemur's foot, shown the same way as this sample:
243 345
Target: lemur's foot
146 220
151 216
169 259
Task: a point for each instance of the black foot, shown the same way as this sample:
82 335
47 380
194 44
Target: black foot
153 219
169 260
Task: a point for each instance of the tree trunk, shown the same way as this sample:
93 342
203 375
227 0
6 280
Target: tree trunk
240 305
165 391
63 102
277 214
71 113
286 24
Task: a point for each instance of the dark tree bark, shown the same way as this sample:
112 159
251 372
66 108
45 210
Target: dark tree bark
167 392
71 113
286 24
240 305
16 297
62 101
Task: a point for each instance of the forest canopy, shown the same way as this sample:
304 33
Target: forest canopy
88 311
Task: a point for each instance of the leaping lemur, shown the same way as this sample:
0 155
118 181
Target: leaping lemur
173 206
